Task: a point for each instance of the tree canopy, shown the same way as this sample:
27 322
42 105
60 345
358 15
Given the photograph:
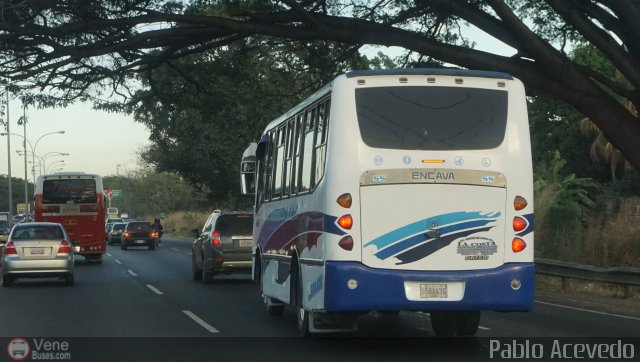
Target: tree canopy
83 49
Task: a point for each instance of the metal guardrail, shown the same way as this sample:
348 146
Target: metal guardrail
626 277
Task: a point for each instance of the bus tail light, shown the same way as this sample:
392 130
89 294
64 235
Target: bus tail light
346 243
519 223
345 222
64 248
88 208
519 203
215 238
10 249
518 245
344 200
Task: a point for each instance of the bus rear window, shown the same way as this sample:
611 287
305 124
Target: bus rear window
64 191
431 118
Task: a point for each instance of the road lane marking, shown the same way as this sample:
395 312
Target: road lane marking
201 322
154 289
109 254
484 328
132 273
117 261
178 250
589 310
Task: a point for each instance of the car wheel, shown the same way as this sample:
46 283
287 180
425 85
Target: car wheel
152 246
109 242
124 246
196 273
7 281
68 279
207 277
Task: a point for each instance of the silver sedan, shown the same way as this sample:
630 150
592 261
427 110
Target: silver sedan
37 249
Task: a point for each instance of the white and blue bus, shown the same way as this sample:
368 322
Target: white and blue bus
396 190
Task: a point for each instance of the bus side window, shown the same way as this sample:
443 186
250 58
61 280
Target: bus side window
321 140
278 163
307 150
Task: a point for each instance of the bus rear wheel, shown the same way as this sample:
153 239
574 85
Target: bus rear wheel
302 315
455 323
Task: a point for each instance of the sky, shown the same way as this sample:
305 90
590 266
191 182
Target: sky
96 141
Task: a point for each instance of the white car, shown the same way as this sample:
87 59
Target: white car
36 250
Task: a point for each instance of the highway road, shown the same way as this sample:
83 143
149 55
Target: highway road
141 293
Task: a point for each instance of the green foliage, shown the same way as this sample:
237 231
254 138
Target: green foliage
151 193
204 110
560 201
17 192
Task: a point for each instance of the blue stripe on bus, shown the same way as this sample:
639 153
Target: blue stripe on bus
424 224
444 231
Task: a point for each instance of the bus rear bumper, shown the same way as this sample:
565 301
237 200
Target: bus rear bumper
383 289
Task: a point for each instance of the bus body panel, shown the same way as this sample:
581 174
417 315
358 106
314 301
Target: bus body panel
380 289
464 230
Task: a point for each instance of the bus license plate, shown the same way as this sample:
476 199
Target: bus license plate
433 290
245 243
69 209
37 251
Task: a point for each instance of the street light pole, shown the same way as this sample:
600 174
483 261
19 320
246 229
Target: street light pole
27 205
9 156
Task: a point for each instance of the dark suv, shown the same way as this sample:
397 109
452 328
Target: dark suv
224 245
139 233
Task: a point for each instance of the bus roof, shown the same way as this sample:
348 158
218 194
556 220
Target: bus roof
430 71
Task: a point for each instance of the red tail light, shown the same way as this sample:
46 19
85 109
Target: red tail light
153 234
519 223
215 238
10 248
518 245
346 243
126 234
345 222
64 248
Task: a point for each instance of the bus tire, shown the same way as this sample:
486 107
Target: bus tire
444 323
302 316
468 323
272 306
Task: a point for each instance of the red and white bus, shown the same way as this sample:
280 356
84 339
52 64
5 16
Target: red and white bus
75 200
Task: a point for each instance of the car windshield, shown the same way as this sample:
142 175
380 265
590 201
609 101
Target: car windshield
3 224
139 226
40 232
235 224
